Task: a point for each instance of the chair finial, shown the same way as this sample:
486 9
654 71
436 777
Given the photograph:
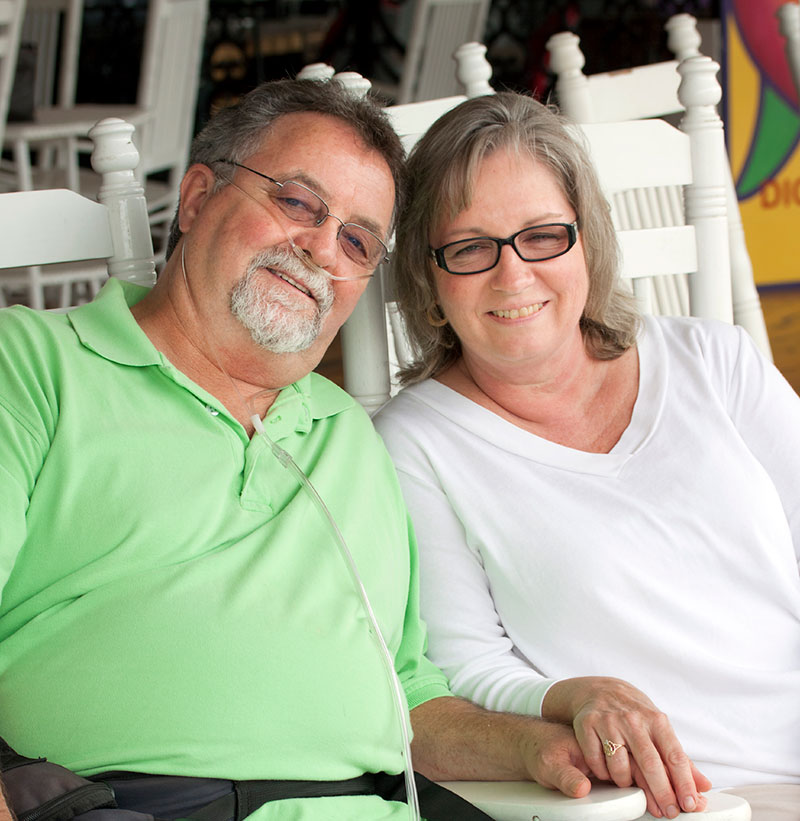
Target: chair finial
699 87
354 82
113 146
572 85
789 19
683 38
316 71
473 70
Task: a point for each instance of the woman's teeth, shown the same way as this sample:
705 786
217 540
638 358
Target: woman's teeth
516 313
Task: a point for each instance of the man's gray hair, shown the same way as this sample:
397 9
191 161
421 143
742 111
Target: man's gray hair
237 132
440 175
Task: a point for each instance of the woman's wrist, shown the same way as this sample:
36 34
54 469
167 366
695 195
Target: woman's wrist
567 697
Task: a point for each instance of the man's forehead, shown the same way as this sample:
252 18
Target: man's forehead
329 156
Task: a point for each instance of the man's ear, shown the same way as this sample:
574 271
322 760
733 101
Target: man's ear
197 186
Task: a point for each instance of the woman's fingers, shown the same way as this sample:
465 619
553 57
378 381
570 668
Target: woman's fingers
665 769
626 739
617 762
650 755
640 781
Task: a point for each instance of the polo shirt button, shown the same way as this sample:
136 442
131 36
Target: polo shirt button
212 411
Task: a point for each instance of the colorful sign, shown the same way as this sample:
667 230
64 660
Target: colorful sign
762 116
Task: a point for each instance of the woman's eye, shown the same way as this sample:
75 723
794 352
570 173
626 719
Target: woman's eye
470 248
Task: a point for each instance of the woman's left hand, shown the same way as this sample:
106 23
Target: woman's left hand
627 740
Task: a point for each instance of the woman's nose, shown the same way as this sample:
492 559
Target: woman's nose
512 273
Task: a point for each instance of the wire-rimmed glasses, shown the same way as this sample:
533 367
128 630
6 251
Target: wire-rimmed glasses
534 244
302 205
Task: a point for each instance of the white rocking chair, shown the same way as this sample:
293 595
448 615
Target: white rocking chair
654 91
164 114
59 226
635 159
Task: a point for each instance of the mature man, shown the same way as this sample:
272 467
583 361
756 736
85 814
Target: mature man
173 601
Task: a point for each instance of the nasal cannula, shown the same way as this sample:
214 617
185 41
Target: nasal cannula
286 460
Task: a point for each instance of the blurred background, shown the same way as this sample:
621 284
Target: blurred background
248 41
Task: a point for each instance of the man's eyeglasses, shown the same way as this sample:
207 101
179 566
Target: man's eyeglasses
478 254
303 206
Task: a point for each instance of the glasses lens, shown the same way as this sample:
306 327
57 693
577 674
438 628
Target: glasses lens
299 203
471 255
543 241
361 245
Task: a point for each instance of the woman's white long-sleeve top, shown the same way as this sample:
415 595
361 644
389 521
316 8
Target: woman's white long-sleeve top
670 562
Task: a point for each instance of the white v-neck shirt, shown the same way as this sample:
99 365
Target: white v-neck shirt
670 562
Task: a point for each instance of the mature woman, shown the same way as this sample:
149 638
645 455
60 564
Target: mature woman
606 506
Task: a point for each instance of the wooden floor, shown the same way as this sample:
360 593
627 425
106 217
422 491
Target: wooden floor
781 305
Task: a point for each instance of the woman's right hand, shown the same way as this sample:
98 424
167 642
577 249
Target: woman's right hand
627 740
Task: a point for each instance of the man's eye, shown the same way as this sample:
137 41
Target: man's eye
357 244
295 204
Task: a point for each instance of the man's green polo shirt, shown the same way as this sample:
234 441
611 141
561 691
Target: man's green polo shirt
173 602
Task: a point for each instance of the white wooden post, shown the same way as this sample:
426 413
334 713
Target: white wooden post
115 157
699 93
572 85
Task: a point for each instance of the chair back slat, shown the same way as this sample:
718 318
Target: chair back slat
169 80
11 15
438 27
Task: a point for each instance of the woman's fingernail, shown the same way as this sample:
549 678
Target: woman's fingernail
689 804
672 811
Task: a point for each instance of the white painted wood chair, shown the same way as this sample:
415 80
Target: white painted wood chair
633 157
654 91
163 114
54 28
81 238
523 800
11 16
368 357
789 22
636 160
438 27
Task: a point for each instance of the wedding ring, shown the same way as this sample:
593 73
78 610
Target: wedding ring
611 747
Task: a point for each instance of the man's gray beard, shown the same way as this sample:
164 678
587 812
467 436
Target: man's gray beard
276 320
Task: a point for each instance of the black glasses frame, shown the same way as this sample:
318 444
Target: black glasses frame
572 238
384 254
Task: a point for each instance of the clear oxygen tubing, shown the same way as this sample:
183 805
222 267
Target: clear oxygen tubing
286 460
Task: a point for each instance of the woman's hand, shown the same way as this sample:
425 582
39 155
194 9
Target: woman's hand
641 747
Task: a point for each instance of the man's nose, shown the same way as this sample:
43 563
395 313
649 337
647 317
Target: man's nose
321 242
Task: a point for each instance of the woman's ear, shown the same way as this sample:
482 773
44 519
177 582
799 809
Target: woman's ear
197 186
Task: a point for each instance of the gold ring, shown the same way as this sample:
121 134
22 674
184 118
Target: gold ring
610 747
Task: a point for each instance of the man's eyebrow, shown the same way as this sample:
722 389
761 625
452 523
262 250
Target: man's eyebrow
317 187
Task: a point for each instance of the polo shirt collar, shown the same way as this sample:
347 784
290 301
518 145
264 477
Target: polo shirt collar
107 327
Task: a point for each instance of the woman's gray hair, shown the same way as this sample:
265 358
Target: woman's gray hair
440 175
237 132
